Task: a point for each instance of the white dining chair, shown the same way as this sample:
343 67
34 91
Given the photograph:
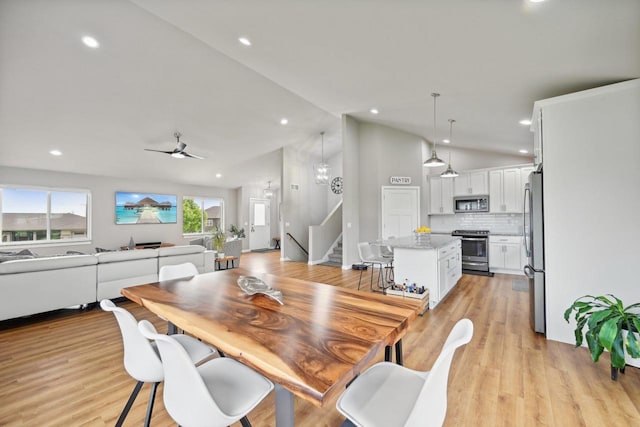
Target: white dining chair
388 394
368 257
217 393
141 358
177 271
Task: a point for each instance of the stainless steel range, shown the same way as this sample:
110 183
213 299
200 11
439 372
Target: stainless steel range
475 251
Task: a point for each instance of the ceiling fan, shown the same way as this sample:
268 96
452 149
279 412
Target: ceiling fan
178 152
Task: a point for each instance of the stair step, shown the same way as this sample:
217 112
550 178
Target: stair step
335 258
337 251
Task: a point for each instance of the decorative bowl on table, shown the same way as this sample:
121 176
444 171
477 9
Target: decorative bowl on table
252 285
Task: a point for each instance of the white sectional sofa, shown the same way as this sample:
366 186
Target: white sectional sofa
36 285
117 270
30 286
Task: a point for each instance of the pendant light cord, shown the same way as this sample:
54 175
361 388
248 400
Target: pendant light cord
435 95
451 122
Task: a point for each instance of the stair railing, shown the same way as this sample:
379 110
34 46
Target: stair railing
324 237
297 243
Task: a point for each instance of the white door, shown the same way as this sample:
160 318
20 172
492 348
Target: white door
260 227
400 211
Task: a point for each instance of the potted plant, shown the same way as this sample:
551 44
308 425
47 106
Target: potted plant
236 232
219 238
610 325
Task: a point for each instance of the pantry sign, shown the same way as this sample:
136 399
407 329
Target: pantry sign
400 180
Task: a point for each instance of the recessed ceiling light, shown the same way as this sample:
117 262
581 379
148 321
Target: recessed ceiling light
374 111
536 1
523 151
218 175
55 152
446 141
284 121
91 42
245 41
525 122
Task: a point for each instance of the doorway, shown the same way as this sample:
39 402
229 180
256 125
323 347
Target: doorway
260 226
400 211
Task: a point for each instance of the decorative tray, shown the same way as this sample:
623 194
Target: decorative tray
252 285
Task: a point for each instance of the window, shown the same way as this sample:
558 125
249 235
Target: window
31 215
202 215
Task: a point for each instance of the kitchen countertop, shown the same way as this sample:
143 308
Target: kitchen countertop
409 242
506 234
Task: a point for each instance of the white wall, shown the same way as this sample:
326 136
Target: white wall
303 206
105 233
350 196
591 199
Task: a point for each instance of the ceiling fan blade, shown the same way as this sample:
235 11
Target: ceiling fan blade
159 151
192 156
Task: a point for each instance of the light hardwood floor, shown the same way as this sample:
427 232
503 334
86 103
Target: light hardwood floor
65 369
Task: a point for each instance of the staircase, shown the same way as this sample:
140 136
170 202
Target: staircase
335 258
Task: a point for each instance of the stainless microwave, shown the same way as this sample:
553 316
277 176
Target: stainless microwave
468 204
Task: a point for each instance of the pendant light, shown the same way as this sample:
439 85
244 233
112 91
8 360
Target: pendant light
322 171
434 161
450 173
268 192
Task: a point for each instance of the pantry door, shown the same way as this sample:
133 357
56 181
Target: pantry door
400 211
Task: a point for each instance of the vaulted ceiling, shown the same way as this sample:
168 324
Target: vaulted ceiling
164 65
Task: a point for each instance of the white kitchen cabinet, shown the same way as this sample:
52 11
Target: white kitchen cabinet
505 191
439 268
449 267
471 183
505 254
440 195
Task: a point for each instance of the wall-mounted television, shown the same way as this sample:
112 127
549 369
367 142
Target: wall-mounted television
146 208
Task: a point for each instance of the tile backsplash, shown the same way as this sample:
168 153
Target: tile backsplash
496 223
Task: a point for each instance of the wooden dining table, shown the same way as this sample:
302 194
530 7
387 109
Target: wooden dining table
312 346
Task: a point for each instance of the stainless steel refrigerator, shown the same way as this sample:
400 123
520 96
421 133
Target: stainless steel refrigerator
534 245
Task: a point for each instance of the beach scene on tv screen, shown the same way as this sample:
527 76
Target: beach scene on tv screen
141 208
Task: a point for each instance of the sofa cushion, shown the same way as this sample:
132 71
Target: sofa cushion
48 263
180 250
118 256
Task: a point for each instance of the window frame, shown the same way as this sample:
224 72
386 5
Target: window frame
48 241
202 220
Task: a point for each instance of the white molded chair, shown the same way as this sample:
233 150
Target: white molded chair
141 358
388 394
178 271
368 257
217 393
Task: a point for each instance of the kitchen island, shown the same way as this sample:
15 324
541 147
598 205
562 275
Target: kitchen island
434 262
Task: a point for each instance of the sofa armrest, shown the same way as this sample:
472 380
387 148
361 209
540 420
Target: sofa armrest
118 256
180 250
48 263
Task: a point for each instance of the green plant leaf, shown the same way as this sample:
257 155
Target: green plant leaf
632 345
617 352
636 323
595 349
609 331
598 316
605 300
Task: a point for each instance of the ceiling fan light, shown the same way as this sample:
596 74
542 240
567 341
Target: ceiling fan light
177 155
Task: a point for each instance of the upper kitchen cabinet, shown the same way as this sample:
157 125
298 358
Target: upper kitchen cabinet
471 183
440 195
505 191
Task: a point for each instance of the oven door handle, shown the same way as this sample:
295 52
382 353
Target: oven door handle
477 239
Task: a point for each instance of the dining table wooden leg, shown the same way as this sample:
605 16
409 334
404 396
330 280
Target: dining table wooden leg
284 407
